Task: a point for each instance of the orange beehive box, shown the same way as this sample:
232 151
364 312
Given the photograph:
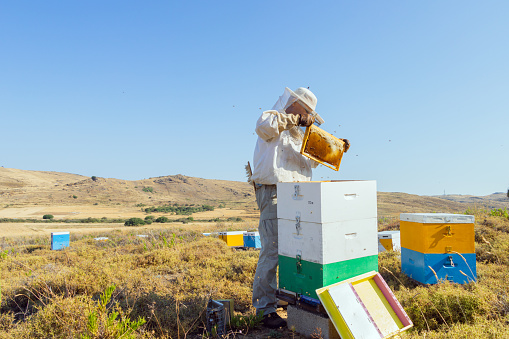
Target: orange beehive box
437 232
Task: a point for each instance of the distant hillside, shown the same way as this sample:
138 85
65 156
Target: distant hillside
21 187
393 203
495 200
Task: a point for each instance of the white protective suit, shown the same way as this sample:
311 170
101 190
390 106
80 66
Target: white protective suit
277 155
276 159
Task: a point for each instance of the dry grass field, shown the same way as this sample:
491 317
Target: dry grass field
156 286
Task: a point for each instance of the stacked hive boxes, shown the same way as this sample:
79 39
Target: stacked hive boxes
438 246
327 233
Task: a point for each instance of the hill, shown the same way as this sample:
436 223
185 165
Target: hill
26 194
495 200
21 187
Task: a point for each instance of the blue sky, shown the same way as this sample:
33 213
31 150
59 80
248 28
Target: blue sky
139 89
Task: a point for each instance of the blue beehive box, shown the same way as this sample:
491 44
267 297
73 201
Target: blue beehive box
427 267
59 240
252 239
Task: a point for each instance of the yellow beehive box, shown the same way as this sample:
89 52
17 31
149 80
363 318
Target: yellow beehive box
437 232
232 238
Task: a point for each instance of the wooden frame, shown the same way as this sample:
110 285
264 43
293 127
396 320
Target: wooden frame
322 147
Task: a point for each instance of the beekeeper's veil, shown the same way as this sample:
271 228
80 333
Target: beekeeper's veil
304 96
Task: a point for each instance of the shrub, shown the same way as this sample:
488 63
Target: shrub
179 210
499 212
246 322
90 220
149 217
94 178
75 196
433 306
48 216
162 219
104 322
134 222
148 189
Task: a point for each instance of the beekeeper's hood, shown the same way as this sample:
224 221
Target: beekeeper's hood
303 96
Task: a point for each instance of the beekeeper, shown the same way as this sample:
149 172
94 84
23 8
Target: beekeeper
276 159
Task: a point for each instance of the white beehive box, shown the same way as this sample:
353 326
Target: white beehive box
389 241
327 201
328 243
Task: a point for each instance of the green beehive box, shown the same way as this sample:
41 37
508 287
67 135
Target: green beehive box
305 277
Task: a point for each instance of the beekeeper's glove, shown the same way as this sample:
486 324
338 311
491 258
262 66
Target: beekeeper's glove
347 145
306 120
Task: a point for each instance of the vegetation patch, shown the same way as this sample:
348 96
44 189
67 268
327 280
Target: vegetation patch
99 289
135 222
179 209
158 286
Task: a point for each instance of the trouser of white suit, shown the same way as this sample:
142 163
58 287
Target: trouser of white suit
265 282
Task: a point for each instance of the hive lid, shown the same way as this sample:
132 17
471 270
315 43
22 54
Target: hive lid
252 234
437 218
59 233
232 233
388 233
322 147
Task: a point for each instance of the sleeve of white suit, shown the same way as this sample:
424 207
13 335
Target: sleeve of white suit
271 123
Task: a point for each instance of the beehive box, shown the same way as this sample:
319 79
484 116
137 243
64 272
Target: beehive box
430 268
252 240
437 232
327 201
327 243
389 241
305 277
327 233
235 238
364 307
60 240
